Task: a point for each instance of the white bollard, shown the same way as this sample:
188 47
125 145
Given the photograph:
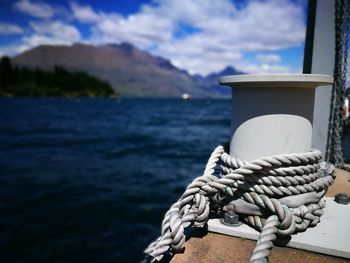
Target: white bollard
272 114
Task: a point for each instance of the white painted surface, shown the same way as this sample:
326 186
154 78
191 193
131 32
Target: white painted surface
323 63
272 114
280 80
276 134
331 236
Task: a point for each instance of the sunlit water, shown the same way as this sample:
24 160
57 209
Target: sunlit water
88 180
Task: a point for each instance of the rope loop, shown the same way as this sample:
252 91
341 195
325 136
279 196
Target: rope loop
278 195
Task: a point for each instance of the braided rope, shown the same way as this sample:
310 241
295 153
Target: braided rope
278 195
336 122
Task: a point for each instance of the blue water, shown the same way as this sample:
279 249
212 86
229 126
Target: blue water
88 180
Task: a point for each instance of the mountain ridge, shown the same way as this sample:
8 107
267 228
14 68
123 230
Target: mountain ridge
130 71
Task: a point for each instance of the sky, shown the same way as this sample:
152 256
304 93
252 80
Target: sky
200 36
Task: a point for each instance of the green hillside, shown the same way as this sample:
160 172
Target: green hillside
21 81
130 71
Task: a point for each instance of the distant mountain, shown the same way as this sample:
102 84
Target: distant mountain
213 77
130 71
210 82
25 82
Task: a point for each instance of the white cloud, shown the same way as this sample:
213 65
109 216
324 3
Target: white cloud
268 58
84 13
12 50
37 9
266 68
58 29
223 31
10 29
52 32
200 36
247 29
144 29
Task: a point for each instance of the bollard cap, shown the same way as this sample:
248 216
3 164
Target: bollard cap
280 80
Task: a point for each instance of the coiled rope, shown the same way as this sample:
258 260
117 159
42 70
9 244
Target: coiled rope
278 195
336 122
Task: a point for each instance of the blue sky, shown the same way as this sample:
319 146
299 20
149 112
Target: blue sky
201 36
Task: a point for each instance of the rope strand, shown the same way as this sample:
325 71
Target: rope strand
288 188
336 121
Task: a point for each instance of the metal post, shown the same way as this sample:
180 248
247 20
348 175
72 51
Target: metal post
319 59
272 114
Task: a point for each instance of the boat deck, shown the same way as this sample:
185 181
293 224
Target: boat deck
212 247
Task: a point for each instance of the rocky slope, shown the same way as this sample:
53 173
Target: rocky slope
130 71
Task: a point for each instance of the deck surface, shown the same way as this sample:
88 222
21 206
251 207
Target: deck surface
212 247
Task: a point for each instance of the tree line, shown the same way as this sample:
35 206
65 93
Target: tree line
20 81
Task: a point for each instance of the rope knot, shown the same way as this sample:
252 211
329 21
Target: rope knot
201 203
177 231
279 195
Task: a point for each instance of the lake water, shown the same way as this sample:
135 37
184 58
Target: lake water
88 180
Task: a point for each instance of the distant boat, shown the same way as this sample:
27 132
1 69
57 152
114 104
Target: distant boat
186 96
